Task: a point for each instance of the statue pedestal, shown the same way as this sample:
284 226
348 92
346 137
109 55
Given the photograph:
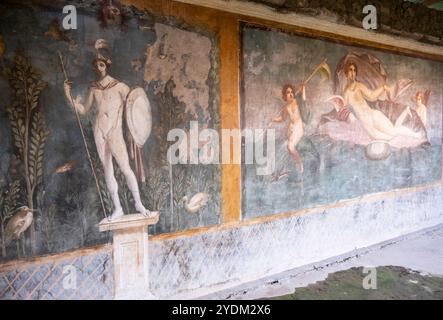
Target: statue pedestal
130 254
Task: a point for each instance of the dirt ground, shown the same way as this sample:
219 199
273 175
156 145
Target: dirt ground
392 283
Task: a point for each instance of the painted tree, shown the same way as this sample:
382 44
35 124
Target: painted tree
8 202
29 131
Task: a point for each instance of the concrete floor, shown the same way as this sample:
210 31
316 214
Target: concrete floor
420 251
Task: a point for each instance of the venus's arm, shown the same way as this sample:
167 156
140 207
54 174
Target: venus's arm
371 95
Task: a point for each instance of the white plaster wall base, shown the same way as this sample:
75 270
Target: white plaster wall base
192 266
130 255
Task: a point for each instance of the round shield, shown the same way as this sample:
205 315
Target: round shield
138 116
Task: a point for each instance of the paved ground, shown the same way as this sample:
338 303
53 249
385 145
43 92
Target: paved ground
421 251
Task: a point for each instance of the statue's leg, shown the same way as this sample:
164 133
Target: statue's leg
120 153
105 155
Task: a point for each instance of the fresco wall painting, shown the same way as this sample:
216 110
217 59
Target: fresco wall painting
349 121
132 76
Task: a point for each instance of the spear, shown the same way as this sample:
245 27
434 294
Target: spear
83 136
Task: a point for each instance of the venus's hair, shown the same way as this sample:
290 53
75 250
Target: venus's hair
349 64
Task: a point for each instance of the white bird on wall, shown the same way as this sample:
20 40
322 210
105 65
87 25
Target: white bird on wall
197 202
18 224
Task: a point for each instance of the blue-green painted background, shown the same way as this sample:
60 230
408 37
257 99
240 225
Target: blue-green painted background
333 170
68 205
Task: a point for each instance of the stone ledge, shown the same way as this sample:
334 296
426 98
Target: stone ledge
128 221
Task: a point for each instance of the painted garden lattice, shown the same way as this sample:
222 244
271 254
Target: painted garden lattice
93 279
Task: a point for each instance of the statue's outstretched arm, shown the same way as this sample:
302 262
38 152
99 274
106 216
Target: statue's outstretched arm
77 104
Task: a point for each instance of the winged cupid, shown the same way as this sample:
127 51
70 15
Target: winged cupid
114 100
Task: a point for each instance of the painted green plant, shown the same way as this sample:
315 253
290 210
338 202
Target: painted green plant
8 200
28 127
172 115
155 190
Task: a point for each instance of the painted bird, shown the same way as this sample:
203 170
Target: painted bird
279 175
18 224
198 201
68 166
55 33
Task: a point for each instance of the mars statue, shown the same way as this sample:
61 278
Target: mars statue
114 99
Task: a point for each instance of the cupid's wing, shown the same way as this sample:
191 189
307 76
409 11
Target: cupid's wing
138 116
337 101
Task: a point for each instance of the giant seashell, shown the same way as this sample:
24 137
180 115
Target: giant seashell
378 150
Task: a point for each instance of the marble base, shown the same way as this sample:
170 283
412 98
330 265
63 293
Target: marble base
130 255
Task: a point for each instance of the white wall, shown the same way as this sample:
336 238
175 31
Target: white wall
190 266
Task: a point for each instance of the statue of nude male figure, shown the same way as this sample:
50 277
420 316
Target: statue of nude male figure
109 96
